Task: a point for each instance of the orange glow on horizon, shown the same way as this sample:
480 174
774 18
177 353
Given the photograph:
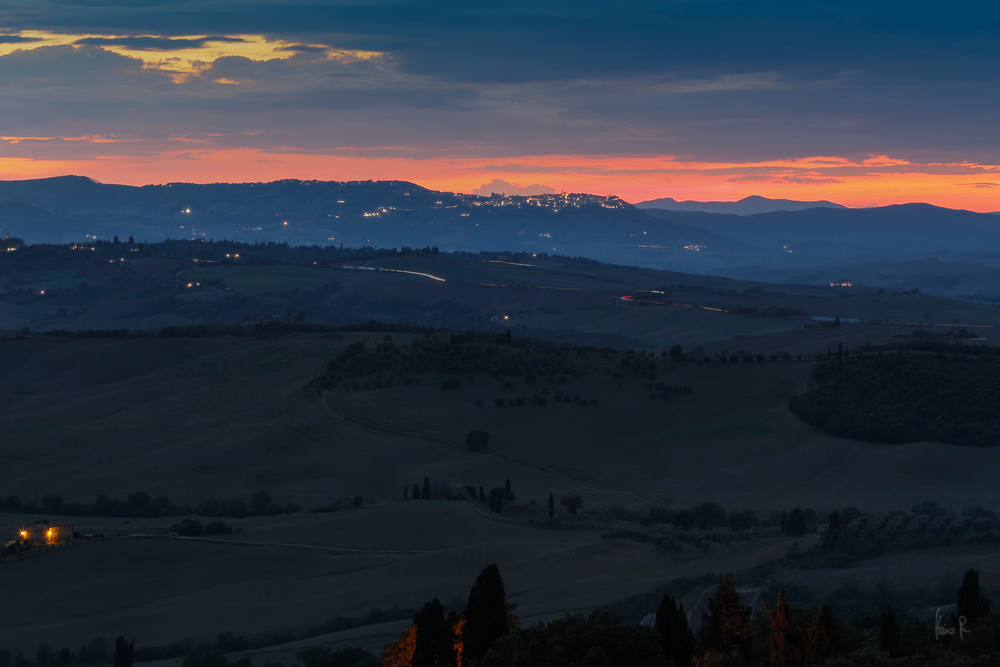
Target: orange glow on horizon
877 180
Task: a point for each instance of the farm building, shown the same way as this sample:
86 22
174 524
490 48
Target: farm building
41 533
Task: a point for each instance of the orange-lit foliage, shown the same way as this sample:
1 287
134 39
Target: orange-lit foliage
400 652
456 633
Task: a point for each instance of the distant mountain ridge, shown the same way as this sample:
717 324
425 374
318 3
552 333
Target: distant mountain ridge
747 206
394 214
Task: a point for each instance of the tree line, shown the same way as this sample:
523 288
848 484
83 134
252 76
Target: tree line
142 505
487 634
896 398
100 650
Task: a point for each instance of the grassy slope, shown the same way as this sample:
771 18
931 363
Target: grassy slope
194 419
160 589
733 441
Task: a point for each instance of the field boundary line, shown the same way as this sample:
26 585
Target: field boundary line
373 429
337 550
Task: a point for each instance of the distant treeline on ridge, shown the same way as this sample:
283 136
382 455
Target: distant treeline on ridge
141 505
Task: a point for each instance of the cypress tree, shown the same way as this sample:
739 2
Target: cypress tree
832 532
506 490
822 643
416 492
426 494
725 627
552 506
434 646
970 604
684 648
485 614
124 652
889 633
676 638
794 523
496 501
406 493
783 639
666 625
482 496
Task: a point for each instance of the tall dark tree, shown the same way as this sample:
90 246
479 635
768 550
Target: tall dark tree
889 634
124 652
572 503
676 638
496 500
971 604
666 625
823 640
426 492
482 495
684 648
725 627
795 523
783 638
44 656
485 614
416 492
260 503
832 535
552 506
434 645
406 493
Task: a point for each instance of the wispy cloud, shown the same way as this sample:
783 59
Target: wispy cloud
153 43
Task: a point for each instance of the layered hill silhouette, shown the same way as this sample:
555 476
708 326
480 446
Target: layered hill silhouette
746 206
397 213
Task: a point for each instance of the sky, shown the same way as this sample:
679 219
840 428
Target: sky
862 103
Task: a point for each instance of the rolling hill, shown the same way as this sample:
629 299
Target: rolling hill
394 214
